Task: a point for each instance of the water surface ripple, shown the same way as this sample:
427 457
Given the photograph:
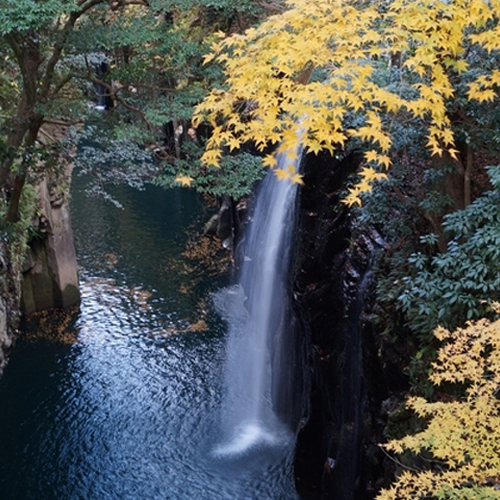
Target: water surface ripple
121 400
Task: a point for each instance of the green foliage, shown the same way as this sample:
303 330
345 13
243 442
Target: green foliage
235 176
23 15
223 8
145 56
18 234
450 288
174 107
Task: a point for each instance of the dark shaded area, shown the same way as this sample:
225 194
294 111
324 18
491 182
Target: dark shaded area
104 98
336 456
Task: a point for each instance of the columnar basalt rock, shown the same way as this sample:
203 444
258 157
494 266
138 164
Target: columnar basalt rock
45 275
346 385
50 275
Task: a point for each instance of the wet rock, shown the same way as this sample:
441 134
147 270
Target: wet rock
4 339
5 335
225 220
222 224
210 227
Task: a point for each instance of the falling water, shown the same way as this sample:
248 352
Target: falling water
256 311
121 401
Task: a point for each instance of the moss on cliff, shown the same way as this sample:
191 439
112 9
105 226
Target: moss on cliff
14 238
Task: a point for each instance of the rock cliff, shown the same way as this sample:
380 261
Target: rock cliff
10 294
335 455
50 276
40 273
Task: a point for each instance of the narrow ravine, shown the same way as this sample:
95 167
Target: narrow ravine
121 400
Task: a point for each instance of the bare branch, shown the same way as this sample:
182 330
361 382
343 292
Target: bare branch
398 462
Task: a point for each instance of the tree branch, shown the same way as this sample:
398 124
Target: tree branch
65 124
114 94
59 46
61 85
397 462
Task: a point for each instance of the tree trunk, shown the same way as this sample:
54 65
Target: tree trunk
467 173
26 122
20 179
13 212
15 138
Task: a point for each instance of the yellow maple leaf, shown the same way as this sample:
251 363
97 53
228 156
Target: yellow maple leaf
269 161
297 179
233 142
208 57
352 199
371 155
368 173
281 174
384 160
184 180
211 157
314 147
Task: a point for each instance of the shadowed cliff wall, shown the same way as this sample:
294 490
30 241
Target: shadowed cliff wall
335 453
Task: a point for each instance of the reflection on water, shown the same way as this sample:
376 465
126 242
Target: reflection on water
121 400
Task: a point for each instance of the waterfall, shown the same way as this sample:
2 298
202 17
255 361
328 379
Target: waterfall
256 310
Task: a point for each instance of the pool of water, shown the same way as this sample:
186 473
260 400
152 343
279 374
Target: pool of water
121 399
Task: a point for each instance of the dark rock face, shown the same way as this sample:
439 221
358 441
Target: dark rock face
224 224
334 457
10 292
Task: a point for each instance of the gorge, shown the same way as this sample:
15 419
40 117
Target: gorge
122 400
244 337
142 359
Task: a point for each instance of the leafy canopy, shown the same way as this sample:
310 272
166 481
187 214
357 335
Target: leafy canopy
307 71
143 57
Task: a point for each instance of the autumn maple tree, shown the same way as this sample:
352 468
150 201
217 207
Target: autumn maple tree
310 72
463 434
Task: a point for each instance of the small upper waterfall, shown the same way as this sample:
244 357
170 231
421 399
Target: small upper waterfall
256 310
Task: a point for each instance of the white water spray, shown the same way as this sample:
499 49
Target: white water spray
256 313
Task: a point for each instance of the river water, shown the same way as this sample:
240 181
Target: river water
121 399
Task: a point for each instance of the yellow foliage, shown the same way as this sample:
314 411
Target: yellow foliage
184 180
269 95
463 435
270 161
